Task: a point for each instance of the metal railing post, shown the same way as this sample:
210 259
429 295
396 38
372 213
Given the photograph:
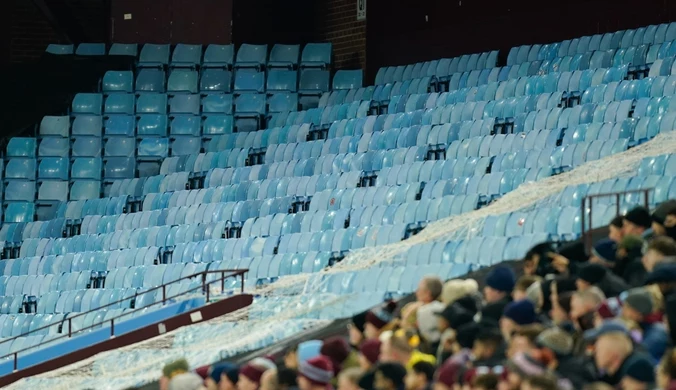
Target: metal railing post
16 361
70 328
112 327
164 294
223 282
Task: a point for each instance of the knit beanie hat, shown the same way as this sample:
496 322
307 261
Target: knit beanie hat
501 278
228 369
457 288
336 349
359 320
178 366
449 372
381 316
521 312
639 216
640 368
523 365
185 381
456 316
610 308
309 349
371 350
592 273
605 250
631 243
662 211
640 300
469 302
318 370
557 340
254 369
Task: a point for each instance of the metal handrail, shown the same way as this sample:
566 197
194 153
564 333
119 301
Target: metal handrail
204 287
588 200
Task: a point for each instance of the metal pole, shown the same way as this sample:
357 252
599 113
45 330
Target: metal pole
164 294
112 327
70 328
223 282
16 361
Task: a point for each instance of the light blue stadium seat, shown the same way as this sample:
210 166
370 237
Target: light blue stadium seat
54 168
312 84
19 212
87 103
119 103
185 125
86 168
317 55
218 56
150 80
251 56
20 190
85 189
86 147
185 104
119 125
282 81
21 168
119 168
59 49
119 147
284 56
55 126
153 56
21 147
347 79
217 125
118 81
182 80
217 104
249 81
186 56
250 103
281 102
123 49
216 80
153 148
91 49
53 190
87 126
151 103
152 125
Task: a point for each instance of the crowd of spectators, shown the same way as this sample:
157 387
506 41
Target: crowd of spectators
569 321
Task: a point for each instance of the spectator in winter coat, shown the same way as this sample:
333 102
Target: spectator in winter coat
348 379
378 320
523 340
664 217
390 376
497 292
315 374
659 249
517 314
599 276
638 222
638 307
427 294
666 371
555 352
222 376
628 263
420 376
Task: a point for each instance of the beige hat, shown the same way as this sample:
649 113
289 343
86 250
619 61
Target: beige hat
458 288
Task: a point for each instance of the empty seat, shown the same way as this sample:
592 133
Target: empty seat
312 84
52 190
151 103
182 80
21 147
316 55
249 109
91 49
284 56
216 80
19 212
282 80
153 148
150 80
87 104
120 147
154 55
54 147
118 81
249 81
217 104
120 168
185 104
152 125
87 125
123 49
85 189
20 190
347 79
86 168
281 102
59 49
217 125
55 126
119 103
218 56
186 56
251 56
185 125
53 168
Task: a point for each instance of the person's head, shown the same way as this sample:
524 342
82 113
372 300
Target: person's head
356 329
604 251
519 367
453 317
395 349
487 342
369 354
615 229
521 286
377 319
250 374
457 288
516 314
560 311
429 289
172 369
487 381
291 357
389 376
348 379
666 370
307 350
419 376
316 373
630 247
222 376
186 381
540 382
336 349
661 216
286 378
636 221
589 275
523 340
658 249
639 373
610 350
552 344
269 380
637 304
583 302
499 284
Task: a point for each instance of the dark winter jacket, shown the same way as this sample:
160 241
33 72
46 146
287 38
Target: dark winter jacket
578 369
655 339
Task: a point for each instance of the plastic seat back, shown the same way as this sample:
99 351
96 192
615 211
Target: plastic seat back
55 126
59 49
154 55
91 49
218 56
316 55
251 56
284 56
123 49
186 55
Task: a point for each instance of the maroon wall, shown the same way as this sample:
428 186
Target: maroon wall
400 34
171 21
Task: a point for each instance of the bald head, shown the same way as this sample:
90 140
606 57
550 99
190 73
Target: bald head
429 289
